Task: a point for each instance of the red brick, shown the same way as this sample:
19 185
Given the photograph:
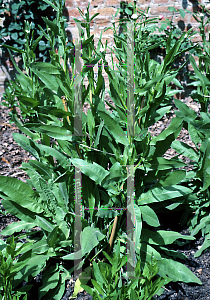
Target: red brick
96 2
113 2
102 22
73 13
144 2
158 10
69 3
162 1
107 11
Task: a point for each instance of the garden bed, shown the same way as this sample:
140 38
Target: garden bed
12 157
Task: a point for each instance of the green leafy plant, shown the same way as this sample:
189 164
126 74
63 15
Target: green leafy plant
108 279
202 72
15 13
198 177
9 265
104 150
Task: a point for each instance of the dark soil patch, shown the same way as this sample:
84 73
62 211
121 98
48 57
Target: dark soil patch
11 158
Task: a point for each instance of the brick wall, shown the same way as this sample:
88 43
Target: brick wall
107 8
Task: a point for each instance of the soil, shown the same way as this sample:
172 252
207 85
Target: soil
11 158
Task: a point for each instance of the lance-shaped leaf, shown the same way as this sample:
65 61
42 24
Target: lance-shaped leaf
21 193
151 83
188 113
93 171
45 72
90 239
162 237
161 163
174 177
17 227
176 271
165 138
17 210
163 193
60 133
44 224
113 127
59 156
185 150
27 144
149 216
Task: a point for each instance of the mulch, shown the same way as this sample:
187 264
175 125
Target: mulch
11 158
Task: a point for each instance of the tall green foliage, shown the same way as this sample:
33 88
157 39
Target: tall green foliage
103 153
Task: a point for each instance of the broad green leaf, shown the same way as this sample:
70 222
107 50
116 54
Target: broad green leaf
51 4
151 83
59 156
202 78
188 113
98 287
44 224
90 239
98 275
17 210
93 171
149 216
98 133
174 177
60 133
165 138
147 252
27 144
161 163
33 267
49 80
19 124
50 278
163 193
182 13
21 193
171 55
202 224
17 227
28 101
51 25
133 295
162 237
106 213
40 167
45 67
158 114
176 271
193 134
184 149
113 127
40 247
87 194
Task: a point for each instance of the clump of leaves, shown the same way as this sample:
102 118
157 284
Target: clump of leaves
15 13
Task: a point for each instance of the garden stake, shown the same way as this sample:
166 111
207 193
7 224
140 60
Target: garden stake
112 235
